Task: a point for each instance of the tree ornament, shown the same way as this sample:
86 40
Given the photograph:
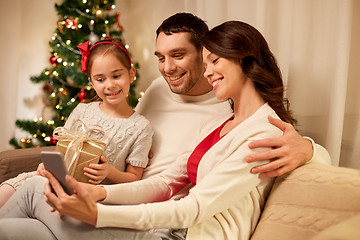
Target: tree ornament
53 60
65 92
47 88
25 142
99 13
118 22
93 38
52 140
107 31
60 25
71 23
82 95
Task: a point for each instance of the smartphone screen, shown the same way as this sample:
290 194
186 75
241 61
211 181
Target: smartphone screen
54 163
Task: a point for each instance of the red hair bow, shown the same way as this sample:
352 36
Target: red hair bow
84 50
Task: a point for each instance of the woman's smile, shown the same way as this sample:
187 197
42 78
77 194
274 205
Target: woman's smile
216 82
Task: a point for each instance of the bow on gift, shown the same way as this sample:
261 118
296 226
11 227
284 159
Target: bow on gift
77 135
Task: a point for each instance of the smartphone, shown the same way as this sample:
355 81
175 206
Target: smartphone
54 163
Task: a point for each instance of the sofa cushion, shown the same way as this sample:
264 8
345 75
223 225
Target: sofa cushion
309 200
14 162
345 230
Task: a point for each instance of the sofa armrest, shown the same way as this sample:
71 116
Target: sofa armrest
14 162
308 200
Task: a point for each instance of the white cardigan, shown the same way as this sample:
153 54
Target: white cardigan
225 204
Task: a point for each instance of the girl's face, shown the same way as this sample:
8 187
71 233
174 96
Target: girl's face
226 76
111 80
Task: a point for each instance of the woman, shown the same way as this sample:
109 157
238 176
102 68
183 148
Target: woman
225 200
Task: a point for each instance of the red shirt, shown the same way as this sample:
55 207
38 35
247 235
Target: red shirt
200 150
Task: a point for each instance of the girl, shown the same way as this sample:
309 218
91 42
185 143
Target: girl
127 134
225 200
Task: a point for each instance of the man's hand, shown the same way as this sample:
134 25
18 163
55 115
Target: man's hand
288 151
81 205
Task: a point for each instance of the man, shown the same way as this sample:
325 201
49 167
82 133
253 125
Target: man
177 108
178 111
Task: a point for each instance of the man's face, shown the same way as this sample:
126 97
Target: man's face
180 63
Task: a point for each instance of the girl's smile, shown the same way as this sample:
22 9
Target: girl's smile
113 94
111 81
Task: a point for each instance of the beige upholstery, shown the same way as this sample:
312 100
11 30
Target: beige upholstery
310 199
345 230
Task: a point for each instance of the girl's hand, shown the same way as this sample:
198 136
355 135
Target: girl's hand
97 172
81 205
40 169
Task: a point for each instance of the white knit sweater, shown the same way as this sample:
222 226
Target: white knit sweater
128 140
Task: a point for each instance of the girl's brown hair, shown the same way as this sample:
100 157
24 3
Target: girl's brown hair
104 48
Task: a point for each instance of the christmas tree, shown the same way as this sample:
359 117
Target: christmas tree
64 84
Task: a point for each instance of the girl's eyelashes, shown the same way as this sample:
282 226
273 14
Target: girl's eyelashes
99 79
116 76
103 77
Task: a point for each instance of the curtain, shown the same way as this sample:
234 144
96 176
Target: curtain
317 45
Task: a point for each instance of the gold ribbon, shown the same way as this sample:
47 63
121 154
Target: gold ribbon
77 135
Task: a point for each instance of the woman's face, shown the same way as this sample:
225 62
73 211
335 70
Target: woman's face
226 76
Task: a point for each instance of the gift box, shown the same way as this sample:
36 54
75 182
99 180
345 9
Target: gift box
80 146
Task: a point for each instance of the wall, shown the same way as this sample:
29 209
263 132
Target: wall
8 68
26 27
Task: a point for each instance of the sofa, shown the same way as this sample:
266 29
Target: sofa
315 201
